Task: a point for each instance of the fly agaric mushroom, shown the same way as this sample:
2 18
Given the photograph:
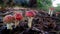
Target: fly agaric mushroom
30 15
17 16
8 21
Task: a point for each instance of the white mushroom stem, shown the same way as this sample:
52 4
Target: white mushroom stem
50 12
16 23
56 15
9 26
30 22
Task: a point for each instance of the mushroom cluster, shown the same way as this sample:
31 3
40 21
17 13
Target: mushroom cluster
37 22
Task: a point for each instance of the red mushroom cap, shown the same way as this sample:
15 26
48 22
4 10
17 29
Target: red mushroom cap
8 18
30 14
18 16
57 12
34 12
